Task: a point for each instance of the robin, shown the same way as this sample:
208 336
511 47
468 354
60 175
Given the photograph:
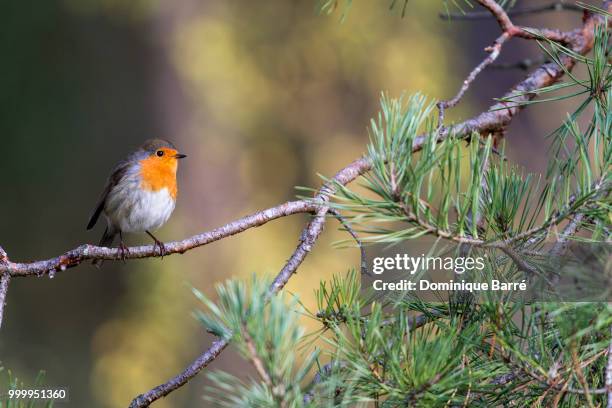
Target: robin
140 194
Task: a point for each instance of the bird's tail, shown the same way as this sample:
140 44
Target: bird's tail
106 241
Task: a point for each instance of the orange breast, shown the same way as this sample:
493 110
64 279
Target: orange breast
157 174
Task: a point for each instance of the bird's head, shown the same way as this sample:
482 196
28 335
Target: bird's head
158 165
161 154
162 151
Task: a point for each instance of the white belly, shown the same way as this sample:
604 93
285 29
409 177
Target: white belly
143 211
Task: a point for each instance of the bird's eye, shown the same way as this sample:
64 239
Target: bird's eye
159 153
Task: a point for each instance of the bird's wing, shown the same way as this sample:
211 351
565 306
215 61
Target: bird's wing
116 176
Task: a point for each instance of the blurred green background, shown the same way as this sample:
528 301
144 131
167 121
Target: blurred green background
262 96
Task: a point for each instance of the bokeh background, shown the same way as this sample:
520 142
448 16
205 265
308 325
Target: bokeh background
262 95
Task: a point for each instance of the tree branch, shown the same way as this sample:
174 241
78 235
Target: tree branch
76 256
257 363
494 51
517 31
509 30
521 263
569 231
515 12
4 283
499 115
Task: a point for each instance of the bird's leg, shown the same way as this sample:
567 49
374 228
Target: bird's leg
124 249
158 243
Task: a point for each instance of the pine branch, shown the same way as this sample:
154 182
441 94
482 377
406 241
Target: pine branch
515 12
600 188
509 30
255 359
497 118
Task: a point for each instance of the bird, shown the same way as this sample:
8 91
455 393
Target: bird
140 194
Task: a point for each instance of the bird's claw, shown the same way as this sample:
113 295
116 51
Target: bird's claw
162 248
158 244
125 251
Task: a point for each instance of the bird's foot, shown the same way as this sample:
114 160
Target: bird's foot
162 248
158 244
125 251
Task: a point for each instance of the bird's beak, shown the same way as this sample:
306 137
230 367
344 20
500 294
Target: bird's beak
180 156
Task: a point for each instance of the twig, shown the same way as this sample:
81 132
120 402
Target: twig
4 283
504 379
562 245
569 231
494 51
415 322
257 363
515 12
580 376
509 30
326 370
518 261
528 33
500 114
277 391
597 391
351 231
181 379
549 382
497 11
